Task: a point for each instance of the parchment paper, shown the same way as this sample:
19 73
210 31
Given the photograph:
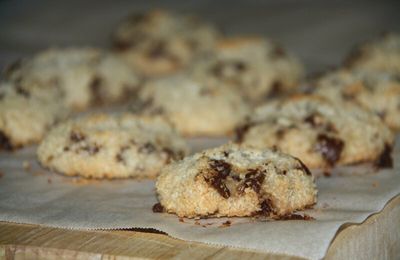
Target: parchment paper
29 194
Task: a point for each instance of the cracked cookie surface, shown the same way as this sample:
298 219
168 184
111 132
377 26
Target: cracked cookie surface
320 132
111 146
235 181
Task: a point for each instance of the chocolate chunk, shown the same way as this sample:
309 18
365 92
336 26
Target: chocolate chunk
354 56
236 177
158 208
296 217
95 90
158 50
76 137
121 45
280 133
303 167
385 160
239 66
277 52
311 119
147 148
66 149
5 143
21 91
275 90
119 158
221 167
241 131
266 208
330 148
226 153
16 65
253 179
91 149
220 170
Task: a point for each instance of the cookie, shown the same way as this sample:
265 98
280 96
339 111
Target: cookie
111 146
85 76
319 132
381 54
160 42
231 181
374 90
194 108
256 67
25 116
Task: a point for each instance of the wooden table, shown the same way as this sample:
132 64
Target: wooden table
377 238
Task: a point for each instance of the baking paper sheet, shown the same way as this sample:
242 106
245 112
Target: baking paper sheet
35 196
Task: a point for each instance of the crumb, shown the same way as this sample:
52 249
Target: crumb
197 222
181 220
296 217
49 180
226 224
26 165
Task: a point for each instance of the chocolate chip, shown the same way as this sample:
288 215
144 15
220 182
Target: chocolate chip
21 91
158 50
239 66
158 208
381 114
66 149
302 166
277 52
221 167
76 137
147 148
236 177
241 131
220 170
385 160
312 120
330 148
276 89
5 143
119 158
354 56
253 179
280 133
226 153
266 208
91 149
95 90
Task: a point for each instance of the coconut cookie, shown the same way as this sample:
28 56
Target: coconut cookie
319 132
382 54
111 146
194 108
235 181
85 76
256 67
377 91
159 42
25 116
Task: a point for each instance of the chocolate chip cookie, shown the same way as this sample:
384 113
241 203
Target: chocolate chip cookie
235 181
319 132
111 146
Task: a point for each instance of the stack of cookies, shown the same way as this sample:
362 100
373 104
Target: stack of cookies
179 77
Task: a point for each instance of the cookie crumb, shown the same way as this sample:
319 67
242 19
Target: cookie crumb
296 217
158 208
26 165
226 224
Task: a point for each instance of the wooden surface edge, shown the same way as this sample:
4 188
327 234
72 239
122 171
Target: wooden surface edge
376 238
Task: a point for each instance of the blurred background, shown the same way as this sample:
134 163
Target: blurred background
320 32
